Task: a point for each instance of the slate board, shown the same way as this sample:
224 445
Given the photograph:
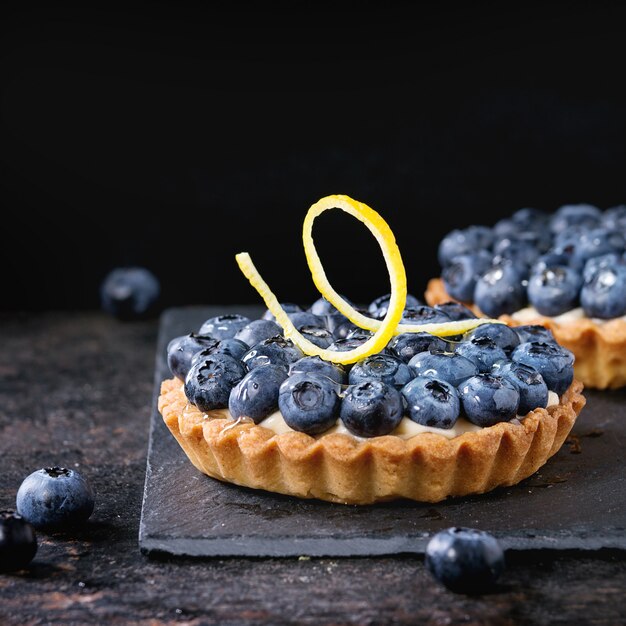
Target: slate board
576 501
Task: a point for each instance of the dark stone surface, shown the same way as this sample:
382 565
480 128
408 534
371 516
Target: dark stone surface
77 388
574 501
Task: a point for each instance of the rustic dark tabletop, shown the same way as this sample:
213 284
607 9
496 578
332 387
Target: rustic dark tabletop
75 390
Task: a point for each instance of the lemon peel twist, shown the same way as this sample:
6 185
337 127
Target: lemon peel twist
383 329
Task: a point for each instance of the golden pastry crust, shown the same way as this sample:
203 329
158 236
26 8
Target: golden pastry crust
341 468
599 349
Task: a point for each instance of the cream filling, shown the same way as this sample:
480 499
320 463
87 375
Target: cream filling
405 430
529 314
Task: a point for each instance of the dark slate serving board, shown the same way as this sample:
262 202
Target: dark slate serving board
576 501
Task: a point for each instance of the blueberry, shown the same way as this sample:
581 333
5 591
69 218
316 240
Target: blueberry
463 241
256 394
389 369
534 332
423 315
181 350
448 366
554 290
604 294
130 293
584 215
318 336
520 251
18 541
344 345
488 399
597 241
339 325
533 391
615 218
482 351
288 307
501 334
275 351
530 219
371 408
316 365
55 496
309 403
432 402
324 307
552 361
456 311
209 381
224 326
378 308
406 345
256 331
465 560
595 264
462 272
304 318
231 347
500 290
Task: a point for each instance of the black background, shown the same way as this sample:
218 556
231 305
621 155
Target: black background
175 135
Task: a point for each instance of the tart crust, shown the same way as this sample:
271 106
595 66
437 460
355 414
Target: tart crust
599 349
340 468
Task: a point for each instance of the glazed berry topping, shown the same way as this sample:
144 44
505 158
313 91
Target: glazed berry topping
287 307
257 330
604 294
389 369
316 365
406 345
489 399
209 381
455 311
501 334
224 326
482 351
533 391
461 274
378 307
276 351
55 496
181 350
552 361
534 332
318 336
449 366
371 408
256 394
423 315
432 402
465 560
500 290
18 541
554 290
309 403
231 347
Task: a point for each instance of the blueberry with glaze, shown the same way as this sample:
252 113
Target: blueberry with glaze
501 334
385 367
231 347
604 294
273 351
287 307
305 318
488 399
462 241
423 315
371 408
209 381
256 394
465 560
518 250
378 308
596 242
455 311
406 345
224 326
533 391
604 261
462 272
552 361
534 332
181 350
582 215
55 496
432 402
257 330
339 325
554 290
316 365
321 337
448 366
500 290
309 403
482 351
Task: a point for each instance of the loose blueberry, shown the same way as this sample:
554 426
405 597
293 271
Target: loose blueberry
604 295
385 367
534 332
584 215
209 381
288 307
448 366
256 331
462 272
432 402
489 399
552 361
130 293
406 345
371 408
181 350
482 351
231 347
423 315
463 241
309 403
316 365
456 311
275 351
55 496
18 542
465 560
501 334
378 308
554 290
256 394
318 336
224 326
533 391
500 290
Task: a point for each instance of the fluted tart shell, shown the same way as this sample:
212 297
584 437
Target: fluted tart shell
599 349
340 468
